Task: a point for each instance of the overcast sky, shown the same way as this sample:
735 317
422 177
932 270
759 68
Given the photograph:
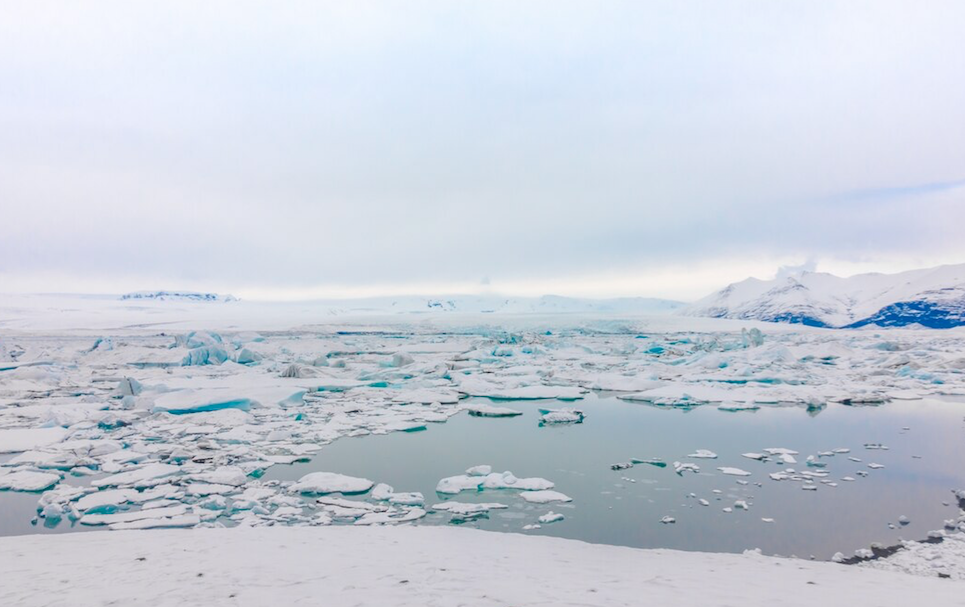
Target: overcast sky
580 148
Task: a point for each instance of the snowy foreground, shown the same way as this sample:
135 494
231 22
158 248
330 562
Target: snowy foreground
423 566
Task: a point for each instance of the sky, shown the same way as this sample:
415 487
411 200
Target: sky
309 149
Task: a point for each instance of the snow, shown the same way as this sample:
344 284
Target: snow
395 566
331 482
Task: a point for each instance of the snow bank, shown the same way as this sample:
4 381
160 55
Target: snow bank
390 566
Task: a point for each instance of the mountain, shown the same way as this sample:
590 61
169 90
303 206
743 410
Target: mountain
472 304
933 297
178 296
494 304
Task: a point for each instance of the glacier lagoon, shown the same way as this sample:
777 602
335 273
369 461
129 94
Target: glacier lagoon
924 440
921 465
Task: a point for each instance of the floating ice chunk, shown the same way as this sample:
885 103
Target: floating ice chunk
128 387
342 503
25 439
484 410
876 466
621 466
653 461
131 477
561 416
427 397
382 492
481 470
703 454
727 509
814 463
550 517
167 522
247 356
225 475
780 451
757 456
200 400
531 527
465 509
413 498
741 504
854 459
205 489
507 480
703 502
864 553
767 520
734 406
681 467
809 487
847 478
205 355
667 520
539 392
126 517
903 520
842 450
733 471
330 482
622 383
462 482
28 480
874 446
545 497
390 518
105 501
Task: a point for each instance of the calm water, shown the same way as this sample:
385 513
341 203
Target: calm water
608 509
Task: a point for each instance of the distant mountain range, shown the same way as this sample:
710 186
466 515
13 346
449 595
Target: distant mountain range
933 297
178 296
474 304
493 304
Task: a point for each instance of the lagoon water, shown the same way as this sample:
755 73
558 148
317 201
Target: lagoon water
922 464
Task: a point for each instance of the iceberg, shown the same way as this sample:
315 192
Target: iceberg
330 482
197 401
15 440
545 497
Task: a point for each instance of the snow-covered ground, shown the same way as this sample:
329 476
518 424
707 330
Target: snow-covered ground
423 566
175 409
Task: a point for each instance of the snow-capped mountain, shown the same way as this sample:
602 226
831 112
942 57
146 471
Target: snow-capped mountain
933 297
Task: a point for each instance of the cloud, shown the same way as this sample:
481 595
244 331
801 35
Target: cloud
363 145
